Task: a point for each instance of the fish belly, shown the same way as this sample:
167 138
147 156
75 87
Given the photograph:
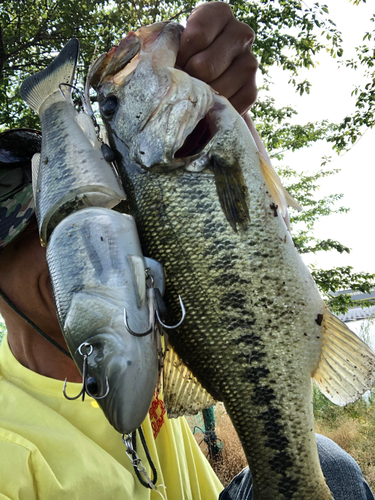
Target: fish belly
251 334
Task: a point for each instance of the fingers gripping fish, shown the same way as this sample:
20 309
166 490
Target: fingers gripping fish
211 210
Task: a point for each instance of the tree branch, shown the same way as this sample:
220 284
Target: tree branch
3 54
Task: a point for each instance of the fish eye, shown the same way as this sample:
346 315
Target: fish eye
109 106
92 386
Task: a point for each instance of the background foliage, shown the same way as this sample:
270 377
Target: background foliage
289 34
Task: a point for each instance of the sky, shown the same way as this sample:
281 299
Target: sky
330 98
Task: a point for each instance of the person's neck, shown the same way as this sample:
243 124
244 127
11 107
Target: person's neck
37 354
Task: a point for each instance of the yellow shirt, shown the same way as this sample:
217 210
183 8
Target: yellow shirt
55 449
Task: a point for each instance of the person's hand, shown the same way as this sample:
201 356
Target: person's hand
216 48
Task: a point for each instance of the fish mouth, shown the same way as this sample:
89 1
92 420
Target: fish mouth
181 110
198 139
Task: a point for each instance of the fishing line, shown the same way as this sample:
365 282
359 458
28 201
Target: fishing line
130 441
148 456
33 325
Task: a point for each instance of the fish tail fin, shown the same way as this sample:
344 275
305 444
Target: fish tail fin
38 87
346 366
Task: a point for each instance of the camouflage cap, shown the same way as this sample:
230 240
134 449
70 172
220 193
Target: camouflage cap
16 193
15 213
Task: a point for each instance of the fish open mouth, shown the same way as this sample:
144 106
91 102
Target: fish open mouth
198 139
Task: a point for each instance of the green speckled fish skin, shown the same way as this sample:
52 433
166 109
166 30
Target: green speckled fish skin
253 329
244 332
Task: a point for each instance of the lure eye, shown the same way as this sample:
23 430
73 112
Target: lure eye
92 386
109 106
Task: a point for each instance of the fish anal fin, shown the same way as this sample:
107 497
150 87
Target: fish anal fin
346 367
279 194
183 394
232 192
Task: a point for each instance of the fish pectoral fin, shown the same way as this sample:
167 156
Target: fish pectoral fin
346 366
232 192
38 87
182 393
280 195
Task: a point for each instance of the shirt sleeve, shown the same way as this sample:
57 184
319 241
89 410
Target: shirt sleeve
16 472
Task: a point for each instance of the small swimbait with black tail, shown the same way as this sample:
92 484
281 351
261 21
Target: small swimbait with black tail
71 171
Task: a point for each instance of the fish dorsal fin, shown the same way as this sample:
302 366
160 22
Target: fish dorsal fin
232 192
38 87
183 394
346 366
279 194
35 165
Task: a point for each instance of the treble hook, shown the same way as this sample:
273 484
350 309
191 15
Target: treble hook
131 331
97 397
181 320
84 389
154 308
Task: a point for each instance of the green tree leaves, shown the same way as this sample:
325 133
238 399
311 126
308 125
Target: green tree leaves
289 34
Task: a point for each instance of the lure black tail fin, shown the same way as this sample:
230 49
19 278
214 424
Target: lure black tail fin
38 87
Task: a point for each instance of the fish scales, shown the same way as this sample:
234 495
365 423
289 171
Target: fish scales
229 281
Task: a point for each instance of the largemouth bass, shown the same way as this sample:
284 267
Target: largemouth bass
71 172
211 209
